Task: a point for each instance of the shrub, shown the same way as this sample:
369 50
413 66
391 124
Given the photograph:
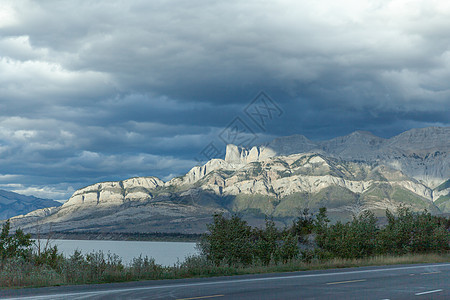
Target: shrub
18 271
353 239
145 267
233 242
265 248
317 254
288 249
411 232
50 257
228 241
104 268
75 268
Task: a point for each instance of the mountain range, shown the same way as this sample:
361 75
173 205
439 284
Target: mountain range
13 204
347 175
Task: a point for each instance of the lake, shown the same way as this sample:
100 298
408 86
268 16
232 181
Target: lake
164 253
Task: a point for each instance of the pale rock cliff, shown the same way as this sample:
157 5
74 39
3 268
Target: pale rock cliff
239 155
39 213
272 179
198 172
115 192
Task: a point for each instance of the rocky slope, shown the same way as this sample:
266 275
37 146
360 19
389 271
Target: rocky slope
13 204
268 180
419 153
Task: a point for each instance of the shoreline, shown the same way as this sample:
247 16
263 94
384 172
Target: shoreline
120 236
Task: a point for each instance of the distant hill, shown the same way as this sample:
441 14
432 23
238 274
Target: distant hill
347 175
14 204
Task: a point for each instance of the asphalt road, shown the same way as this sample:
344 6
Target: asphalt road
425 281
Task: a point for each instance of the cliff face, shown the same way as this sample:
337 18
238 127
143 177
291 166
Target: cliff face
240 155
115 193
267 180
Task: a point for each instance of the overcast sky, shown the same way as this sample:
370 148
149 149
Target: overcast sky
106 90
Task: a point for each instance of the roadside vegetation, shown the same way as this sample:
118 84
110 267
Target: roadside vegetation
232 247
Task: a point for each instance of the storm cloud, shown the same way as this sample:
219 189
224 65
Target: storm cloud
106 90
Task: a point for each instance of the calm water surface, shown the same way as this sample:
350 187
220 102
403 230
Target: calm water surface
164 253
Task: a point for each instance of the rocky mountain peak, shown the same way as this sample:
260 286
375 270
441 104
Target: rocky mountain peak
422 139
292 144
421 153
240 155
198 172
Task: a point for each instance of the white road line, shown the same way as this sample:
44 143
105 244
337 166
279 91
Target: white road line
428 292
120 290
347 281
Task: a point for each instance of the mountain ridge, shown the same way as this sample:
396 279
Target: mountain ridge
258 181
407 151
13 204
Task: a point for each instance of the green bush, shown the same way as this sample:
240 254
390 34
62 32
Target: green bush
288 249
265 248
145 267
411 232
408 232
228 241
233 242
76 268
355 239
316 254
107 268
18 271
50 257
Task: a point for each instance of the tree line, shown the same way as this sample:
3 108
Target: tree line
312 236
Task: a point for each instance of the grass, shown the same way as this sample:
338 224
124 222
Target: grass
260 204
442 199
99 268
443 203
299 265
402 195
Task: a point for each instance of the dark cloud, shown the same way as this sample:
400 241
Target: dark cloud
105 90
